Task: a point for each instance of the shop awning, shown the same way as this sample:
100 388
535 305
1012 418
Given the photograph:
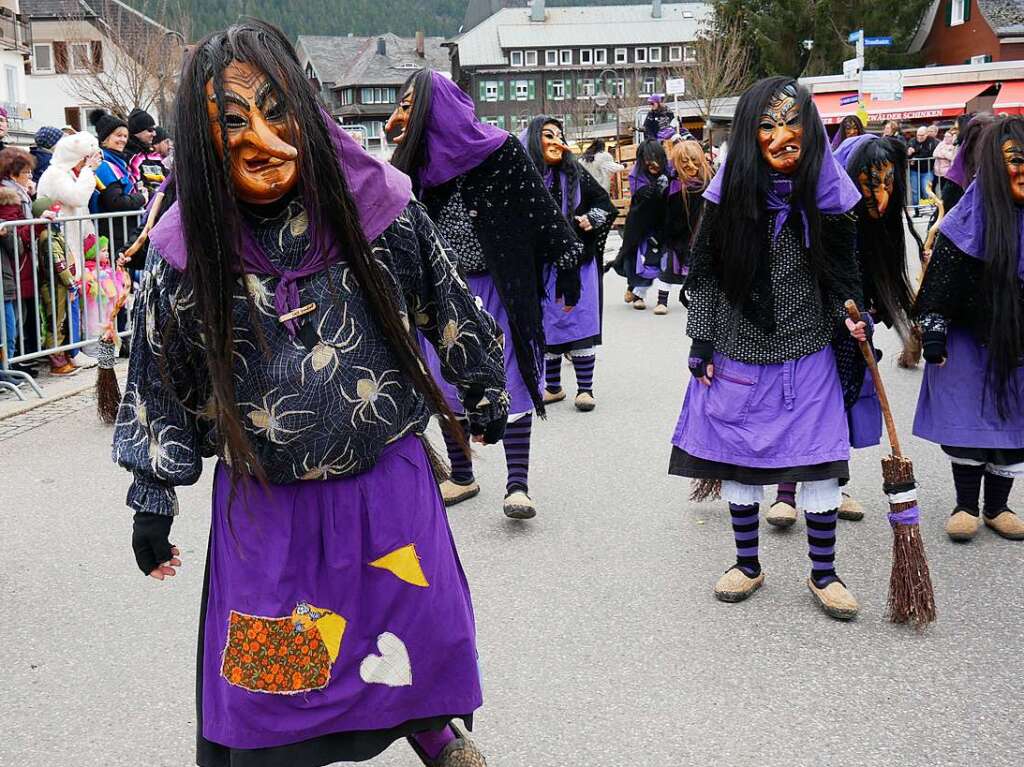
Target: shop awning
917 103
1010 99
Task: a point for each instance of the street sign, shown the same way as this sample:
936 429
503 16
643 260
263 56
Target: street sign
675 86
877 41
881 81
882 96
852 67
853 98
855 36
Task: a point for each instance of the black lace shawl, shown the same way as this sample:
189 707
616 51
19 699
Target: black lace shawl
593 195
683 211
521 231
646 218
953 289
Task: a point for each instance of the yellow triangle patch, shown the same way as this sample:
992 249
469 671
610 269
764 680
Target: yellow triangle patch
404 563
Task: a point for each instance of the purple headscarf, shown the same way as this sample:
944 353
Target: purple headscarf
836 193
964 225
849 147
380 193
455 141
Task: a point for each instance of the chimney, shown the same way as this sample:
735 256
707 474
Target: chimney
656 9
382 47
537 10
420 44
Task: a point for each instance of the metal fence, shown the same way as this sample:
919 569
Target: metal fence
923 186
60 300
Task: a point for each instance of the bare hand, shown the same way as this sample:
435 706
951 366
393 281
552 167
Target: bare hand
167 568
706 380
584 223
95 160
858 330
49 215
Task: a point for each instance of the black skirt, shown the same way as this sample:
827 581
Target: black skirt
997 456
683 464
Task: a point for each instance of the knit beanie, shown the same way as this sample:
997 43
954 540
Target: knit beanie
47 138
139 120
41 205
161 135
93 246
105 123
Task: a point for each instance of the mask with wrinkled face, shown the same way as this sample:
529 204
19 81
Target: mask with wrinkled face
552 144
876 186
261 135
780 132
1013 157
398 124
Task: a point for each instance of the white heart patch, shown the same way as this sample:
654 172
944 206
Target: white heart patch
391 667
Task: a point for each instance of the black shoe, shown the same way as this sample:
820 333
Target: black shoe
24 367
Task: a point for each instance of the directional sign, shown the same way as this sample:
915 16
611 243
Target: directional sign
852 67
877 41
853 98
855 36
882 80
675 86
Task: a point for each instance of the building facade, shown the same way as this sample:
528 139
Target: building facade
970 32
15 44
581 64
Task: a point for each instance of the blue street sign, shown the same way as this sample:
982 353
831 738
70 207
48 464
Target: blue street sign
877 41
853 98
855 36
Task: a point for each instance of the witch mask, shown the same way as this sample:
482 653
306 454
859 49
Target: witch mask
1013 157
552 144
260 135
876 187
780 132
398 124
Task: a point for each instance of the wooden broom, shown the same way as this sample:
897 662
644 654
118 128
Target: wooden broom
911 597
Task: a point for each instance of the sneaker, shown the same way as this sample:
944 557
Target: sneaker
585 401
851 509
453 492
1007 524
518 505
661 310
553 396
629 297
835 599
461 752
735 585
83 360
962 525
781 514
24 367
639 304
67 369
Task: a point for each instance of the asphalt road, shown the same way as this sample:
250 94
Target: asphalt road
601 643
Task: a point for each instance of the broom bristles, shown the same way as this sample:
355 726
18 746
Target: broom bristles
705 490
108 395
911 596
912 350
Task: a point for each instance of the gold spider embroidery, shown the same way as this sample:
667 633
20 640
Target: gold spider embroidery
369 392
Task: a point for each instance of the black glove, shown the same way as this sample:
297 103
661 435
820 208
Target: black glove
701 354
653 255
567 286
149 540
934 346
492 432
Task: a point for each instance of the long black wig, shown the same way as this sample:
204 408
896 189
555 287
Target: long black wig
740 225
1001 282
651 151
212 218
967 139
569 166
851 121
411 154
881 243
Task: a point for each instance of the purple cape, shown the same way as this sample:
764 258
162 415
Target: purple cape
456 142
964 226
836 193
957 172
849 147
380 193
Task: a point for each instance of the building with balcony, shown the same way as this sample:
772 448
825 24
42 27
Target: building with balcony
15 42
359 77
581 63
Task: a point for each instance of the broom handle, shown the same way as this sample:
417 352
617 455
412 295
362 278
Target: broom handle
869 358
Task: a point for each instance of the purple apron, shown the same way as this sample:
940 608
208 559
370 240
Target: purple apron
584 321
865 417
767 416
482 286
642 269
956 408
335 606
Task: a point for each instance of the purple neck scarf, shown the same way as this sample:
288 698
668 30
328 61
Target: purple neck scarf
455 141
570 196
957 172
836 193
380 193
964 226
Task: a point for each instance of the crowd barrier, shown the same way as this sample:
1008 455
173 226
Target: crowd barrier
60 305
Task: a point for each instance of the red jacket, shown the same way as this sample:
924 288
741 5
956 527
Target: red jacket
11 210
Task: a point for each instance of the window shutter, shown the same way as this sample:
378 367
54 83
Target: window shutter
568 88
96 53
949 12
501 121
967 10
550 90
60 57
532 90
501 90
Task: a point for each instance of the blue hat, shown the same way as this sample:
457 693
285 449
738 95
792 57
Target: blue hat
47 138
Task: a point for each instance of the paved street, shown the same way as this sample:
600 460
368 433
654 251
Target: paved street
601 643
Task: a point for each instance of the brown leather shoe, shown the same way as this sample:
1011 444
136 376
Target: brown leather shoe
735 585
781 514
550 397
585 402
1007 524
519 505
836 600
851 509
962 526
461 752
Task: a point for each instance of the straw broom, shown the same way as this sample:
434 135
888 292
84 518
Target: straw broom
911 597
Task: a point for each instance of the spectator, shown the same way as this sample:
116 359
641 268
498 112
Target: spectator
3 128
10 291
658 123
933 132
141 132
16 203
57 284
920 151
945 152
67 130
600 164
892 128
164 146
46 139
148 167
116 190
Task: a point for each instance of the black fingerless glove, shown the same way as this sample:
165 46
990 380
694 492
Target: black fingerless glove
701 354
933 344
492 432
149 540
567 286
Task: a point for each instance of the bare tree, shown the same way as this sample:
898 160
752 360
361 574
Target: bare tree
585 112
721 67
119 58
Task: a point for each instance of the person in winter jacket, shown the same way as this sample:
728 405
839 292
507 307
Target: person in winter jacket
600 164
658 123
42 150
57 284
15 204
116 190
141 136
